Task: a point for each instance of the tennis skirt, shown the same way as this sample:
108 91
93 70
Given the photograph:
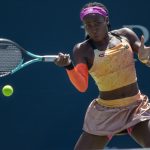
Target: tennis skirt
105 117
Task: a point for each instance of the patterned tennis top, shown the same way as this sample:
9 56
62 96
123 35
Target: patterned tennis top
114 67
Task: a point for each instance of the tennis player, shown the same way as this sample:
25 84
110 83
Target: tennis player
108 57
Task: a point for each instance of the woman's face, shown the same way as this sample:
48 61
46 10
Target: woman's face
96 26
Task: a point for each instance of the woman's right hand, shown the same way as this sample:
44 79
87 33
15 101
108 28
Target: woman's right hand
62 60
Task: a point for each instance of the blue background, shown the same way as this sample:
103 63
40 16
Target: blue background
46 112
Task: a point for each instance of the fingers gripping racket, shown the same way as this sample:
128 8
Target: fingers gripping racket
12 57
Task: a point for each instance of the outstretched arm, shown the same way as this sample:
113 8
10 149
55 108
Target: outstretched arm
78 74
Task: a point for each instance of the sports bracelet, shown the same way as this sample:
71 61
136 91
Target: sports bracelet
70 66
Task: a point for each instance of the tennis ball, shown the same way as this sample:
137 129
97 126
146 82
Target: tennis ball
7 90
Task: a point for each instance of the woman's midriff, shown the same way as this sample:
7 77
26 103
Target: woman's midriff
126 91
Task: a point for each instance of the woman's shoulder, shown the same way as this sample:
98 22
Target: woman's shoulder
122 31
83 45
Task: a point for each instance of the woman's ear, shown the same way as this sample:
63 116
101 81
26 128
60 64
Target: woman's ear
107 19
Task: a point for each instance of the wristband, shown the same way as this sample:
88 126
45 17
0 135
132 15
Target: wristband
70 66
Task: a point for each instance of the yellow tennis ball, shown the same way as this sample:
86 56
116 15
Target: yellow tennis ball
7 90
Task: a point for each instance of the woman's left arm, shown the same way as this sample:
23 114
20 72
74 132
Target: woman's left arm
137 45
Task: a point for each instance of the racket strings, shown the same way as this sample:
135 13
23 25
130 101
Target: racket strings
10 57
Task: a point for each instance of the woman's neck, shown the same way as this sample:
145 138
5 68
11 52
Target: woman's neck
103 44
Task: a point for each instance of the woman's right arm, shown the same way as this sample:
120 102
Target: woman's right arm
78 74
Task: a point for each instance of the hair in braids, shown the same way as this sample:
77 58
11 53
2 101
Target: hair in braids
96 4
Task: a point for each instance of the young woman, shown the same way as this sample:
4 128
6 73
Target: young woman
108 57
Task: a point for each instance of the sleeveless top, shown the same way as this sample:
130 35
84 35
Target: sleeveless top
114 67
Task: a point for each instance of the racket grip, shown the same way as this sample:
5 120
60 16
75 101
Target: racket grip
49 58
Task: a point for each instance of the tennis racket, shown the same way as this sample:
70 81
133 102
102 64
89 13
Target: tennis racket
12 57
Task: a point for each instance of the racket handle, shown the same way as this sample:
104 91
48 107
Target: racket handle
49 58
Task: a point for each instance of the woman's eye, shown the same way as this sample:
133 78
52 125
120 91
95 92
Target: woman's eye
93 25
98 23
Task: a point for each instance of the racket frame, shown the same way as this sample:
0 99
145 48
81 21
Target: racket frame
36 58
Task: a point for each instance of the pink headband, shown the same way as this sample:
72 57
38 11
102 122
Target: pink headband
93 10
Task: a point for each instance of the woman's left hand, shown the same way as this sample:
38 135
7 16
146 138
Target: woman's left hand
144 52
